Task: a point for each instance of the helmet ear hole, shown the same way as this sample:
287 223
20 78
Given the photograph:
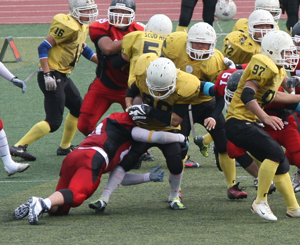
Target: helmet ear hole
225 10
161 78
78 7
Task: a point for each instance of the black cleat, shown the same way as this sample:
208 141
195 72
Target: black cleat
20 151
63 152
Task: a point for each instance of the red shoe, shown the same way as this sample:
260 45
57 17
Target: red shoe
235 192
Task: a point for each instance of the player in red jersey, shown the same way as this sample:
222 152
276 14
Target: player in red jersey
110 84
99 153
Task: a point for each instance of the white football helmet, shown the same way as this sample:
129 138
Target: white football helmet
117 19
76 6
279 47
201 32
225 9
260 17
161 78
273 6
159 24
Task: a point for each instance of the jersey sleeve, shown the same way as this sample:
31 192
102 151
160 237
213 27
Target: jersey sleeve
99 28
173 41
128 42
241 25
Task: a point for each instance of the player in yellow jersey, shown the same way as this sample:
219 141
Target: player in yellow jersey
59 53
166 92
148 41
273 6
239 46
195 53
258 87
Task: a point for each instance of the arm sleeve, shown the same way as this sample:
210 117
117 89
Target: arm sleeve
218 107
43 49
133 91
5 73
158 137
87 52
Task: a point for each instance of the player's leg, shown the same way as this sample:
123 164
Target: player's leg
208 13
73 103
186 13
54 102
11 167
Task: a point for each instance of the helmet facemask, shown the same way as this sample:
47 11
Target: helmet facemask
76 7
118 19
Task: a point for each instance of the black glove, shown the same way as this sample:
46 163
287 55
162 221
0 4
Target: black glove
138 113
293 82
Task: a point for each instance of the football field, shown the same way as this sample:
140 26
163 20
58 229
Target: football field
135 214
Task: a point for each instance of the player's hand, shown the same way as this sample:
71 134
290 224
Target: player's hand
138 113
50 82
19 83
157 175
229 63
275 122
293 82
210 123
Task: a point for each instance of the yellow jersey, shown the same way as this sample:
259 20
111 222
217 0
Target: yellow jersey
268 77
70 37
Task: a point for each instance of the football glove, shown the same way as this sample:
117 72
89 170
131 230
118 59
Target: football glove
157 175
138 113
19 83
229 63
293 82
50 82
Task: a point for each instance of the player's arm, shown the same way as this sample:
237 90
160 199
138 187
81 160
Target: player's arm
108 46
285 98
132 92
251 104
43 49
5 73
89 54
119 60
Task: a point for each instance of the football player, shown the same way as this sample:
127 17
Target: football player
166 90
239 46
11 167
258 87
110 83
292 8
195 53
59 53
99 153
273 6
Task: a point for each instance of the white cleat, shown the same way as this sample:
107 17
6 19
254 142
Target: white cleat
37 207
263 210
296 182
21 167
293 214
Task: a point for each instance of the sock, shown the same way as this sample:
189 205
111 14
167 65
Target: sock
38 131
69 131
265 176
228 166
114 180
175 181
207 139
134 179
182 28
284 186
9 164
47 201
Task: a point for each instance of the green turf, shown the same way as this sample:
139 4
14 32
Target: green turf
137 214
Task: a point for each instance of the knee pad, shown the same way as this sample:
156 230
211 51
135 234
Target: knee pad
283 167
54 124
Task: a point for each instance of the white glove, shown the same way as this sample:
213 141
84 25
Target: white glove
19 83
50 82
229 63
138 113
